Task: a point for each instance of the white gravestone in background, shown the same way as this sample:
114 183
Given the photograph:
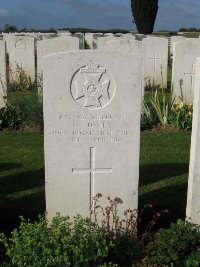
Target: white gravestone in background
101 41
80 36
175 39
3 85
183 69
155 69
21 54
193 195
128 45
51 46
92 39
91 129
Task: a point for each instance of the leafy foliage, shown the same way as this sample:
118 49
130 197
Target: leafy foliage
177 246
183 113
30 109
128 246
20 81
78 243
10 117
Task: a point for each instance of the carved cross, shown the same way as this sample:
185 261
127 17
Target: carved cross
92 170
155 58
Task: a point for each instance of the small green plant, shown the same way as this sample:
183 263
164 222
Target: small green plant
30 109
183 113
128 247
162 104
64 242
10 117
148 117
170 59
178 246
20 81
86 45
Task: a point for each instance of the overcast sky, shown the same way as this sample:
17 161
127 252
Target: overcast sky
95 14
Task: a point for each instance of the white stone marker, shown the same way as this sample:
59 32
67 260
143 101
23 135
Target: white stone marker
21 53
92 39
123 44
128 45
51 46
175 39
80 36
156 60
184 56
3 84
91 129
193 195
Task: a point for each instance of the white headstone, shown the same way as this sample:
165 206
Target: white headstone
3 85
21 54
155 69
193 195
48 35
183 69
101 42
80 36
175 39
124 45
128 45
91 39
55 45
91 129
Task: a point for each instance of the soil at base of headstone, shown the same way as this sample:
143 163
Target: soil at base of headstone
165 128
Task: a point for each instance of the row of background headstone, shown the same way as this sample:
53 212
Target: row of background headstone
24 48
21 49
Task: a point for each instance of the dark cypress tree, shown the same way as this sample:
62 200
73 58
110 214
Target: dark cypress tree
144 14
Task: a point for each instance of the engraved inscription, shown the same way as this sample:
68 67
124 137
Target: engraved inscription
104 128
92 170
20 44
92 87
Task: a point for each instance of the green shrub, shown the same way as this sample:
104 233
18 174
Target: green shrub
128 247
86 45
10 117
30 109
178 246
146 122
23 97
183 113
20 81
77 243
148 117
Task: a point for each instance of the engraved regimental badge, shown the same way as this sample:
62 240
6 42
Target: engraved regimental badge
92 87
20 44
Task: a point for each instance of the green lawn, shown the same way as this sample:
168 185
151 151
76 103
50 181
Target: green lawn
21 177
163 174
164 164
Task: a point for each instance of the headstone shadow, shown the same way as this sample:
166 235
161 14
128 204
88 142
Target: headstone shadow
21 194
151 173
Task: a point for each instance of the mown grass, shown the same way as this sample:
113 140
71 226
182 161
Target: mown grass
21 177
163 174
164 165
